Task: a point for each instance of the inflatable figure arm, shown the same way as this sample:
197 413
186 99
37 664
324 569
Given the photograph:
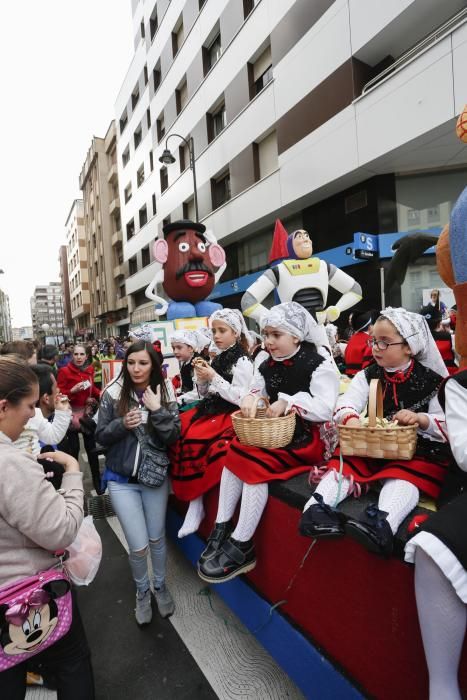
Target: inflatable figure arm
259 290
348 287
151 293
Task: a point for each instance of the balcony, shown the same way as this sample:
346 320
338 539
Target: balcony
112 176
119 270
114 206
91 199
117 237
121 303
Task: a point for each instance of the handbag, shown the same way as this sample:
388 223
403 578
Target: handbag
154 465
34 614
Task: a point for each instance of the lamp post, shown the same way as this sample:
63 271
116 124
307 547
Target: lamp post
167 158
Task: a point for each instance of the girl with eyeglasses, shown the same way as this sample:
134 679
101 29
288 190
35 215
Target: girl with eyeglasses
411 369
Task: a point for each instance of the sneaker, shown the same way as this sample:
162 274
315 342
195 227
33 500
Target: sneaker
143 610
216 539
234 558
320 520
372 531
164 600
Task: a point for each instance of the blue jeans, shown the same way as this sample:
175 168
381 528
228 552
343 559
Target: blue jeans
141 512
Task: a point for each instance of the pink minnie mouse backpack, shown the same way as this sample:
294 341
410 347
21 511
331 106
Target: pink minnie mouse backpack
34 613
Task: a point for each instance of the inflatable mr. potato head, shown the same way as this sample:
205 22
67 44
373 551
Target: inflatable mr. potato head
192 262
451 256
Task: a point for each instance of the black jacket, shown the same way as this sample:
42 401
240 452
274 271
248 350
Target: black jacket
123 454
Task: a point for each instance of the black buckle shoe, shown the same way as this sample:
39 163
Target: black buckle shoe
320 520
372 531
220 533
234 558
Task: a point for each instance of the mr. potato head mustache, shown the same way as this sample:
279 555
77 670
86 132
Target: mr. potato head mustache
193 266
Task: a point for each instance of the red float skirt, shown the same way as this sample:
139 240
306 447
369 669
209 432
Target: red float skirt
256 465
199 456
426 475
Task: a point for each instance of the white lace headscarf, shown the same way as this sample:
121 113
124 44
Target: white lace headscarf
191 338
293 318
414 329
234 319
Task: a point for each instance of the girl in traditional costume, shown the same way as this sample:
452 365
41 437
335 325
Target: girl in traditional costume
301 375
186 345
411 370
199 455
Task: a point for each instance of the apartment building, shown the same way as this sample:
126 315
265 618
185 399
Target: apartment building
65 282
47 311
5 320
99 184
77 268
336 115
22 333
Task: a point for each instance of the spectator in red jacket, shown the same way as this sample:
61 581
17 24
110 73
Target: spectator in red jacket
77 382
358 354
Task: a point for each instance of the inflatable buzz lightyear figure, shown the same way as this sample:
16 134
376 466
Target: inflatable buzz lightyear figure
304 279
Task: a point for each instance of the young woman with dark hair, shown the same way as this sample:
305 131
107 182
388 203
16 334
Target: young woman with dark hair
138 412
35 521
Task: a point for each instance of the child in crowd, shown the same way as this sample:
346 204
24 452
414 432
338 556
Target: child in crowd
357 353
301 375
443 338
186 345
199 455
440 555
411 369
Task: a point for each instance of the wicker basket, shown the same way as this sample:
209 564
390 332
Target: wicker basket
397 442
261 431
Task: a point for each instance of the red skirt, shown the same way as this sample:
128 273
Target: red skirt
198 457
425 475
256 465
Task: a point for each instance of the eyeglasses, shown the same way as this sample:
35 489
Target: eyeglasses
383 345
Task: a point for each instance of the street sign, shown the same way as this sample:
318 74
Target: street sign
362 254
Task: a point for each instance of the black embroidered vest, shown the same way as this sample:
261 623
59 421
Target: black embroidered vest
460 378
224 365
290 377
186 375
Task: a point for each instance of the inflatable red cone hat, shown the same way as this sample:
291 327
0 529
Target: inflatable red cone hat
279 243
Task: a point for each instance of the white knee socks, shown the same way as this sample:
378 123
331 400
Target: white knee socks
328 488
442 616
397 498
230 492
193 517
254 499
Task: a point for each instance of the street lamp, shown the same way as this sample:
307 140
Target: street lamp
167 158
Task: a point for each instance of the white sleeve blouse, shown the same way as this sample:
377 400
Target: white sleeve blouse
235 390
456 410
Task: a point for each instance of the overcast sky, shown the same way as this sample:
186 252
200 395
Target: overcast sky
63 62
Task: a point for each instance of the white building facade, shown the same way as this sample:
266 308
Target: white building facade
5 319
336 115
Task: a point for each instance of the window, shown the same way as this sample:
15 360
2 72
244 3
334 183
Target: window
166 221
153 24
123 121
177 37
154 209
265 156
135 96
145 74
121 291
164 179
137 136
145 257
156 77
189 209
201 3
261 73
143 33
220 190
151 161
143 216
248 6
126 195
181 96
140 175
217 121
130 229
183 157
148 118
212 53
160 125
126 156
132 266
